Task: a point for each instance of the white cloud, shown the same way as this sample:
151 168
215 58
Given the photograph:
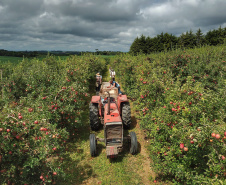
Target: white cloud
46 15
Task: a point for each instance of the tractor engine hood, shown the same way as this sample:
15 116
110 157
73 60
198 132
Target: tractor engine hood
114 115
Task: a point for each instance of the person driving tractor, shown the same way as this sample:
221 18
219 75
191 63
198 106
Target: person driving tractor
115 84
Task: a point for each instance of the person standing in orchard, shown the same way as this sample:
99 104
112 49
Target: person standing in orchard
112 74
98 82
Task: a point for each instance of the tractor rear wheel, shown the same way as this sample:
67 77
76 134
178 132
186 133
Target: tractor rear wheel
94 116
133 143
126 115
93 145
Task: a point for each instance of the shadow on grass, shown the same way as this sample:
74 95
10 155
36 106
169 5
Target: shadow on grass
75 173
100 147
133 122
75 163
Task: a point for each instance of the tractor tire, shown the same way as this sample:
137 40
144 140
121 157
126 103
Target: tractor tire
94 116
133 143
93 145
126 115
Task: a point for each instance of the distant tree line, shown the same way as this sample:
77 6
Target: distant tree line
18 53
107 52
28 54
166 41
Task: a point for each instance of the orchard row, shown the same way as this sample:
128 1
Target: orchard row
41 107
180 97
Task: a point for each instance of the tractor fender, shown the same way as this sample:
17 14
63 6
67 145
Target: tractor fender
121 99
97 100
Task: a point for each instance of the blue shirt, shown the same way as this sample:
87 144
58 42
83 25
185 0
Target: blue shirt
116 84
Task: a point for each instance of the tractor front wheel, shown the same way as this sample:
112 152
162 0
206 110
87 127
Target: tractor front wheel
94 116
126 115
133 143
93 145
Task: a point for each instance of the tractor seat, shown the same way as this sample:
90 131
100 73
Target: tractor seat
112 100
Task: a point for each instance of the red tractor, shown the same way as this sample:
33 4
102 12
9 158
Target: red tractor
113 112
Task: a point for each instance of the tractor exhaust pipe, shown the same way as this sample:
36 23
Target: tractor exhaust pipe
108 104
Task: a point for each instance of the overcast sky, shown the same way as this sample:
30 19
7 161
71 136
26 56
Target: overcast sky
107 25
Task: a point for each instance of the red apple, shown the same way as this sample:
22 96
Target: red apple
213 134
54 173
54 148
222 157
36 122
30 110
185 149
192 142
181 145
218 136
41 177
8 130
20 117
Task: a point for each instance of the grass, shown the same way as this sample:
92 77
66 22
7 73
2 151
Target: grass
15 60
